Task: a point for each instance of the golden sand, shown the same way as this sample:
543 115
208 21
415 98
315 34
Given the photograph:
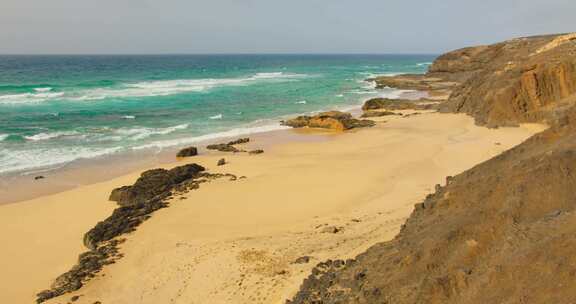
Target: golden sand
235 241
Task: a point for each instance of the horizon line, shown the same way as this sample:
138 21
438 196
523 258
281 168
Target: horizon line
213 54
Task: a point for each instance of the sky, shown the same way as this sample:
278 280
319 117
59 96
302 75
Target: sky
271 26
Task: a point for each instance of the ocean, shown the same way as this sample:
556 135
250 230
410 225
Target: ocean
55 110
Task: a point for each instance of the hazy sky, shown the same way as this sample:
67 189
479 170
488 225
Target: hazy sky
272 26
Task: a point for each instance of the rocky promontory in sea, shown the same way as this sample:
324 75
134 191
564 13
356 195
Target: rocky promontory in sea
503 231
151 192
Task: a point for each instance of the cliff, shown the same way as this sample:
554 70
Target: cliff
521 80
503 231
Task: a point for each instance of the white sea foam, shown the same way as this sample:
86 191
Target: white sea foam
35 159
392 93
4 136
171 87
129 117
261 127
51 158
424 63
25 98
340 95
139 133
375 75
51 135
301 102
145 89
270 75
218 116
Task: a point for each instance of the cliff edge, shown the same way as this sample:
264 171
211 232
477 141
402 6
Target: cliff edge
503 231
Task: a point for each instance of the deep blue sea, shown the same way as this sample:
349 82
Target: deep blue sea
58 109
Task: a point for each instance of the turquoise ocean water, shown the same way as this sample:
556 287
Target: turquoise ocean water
55 110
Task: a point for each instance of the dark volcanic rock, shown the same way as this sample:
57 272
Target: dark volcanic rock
89 263
229 147
334 120
257 151
137 203
239 141
223 148
39 177
123 220
153 183
187 152
221 162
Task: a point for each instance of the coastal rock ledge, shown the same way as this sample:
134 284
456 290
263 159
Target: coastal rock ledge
334 120
151 192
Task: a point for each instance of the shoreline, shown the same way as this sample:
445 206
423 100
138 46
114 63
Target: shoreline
14 187
91 171
395 163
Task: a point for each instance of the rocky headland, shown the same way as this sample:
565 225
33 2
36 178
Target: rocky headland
503 231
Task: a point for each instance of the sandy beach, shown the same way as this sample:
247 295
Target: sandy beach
236 241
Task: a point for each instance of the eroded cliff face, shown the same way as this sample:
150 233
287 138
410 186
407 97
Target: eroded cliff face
521 80
503 231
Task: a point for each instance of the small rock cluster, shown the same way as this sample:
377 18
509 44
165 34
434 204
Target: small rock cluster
230 146
314 287
333 120
187 152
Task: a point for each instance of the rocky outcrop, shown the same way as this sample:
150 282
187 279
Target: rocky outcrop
229 147
187 152
523 80
415 82
399 104
154 184
89 263
239 141
333 120
501 232
520 80
137 202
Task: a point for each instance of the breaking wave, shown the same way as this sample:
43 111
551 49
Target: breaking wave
25 98
144 89
139 133
51 135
